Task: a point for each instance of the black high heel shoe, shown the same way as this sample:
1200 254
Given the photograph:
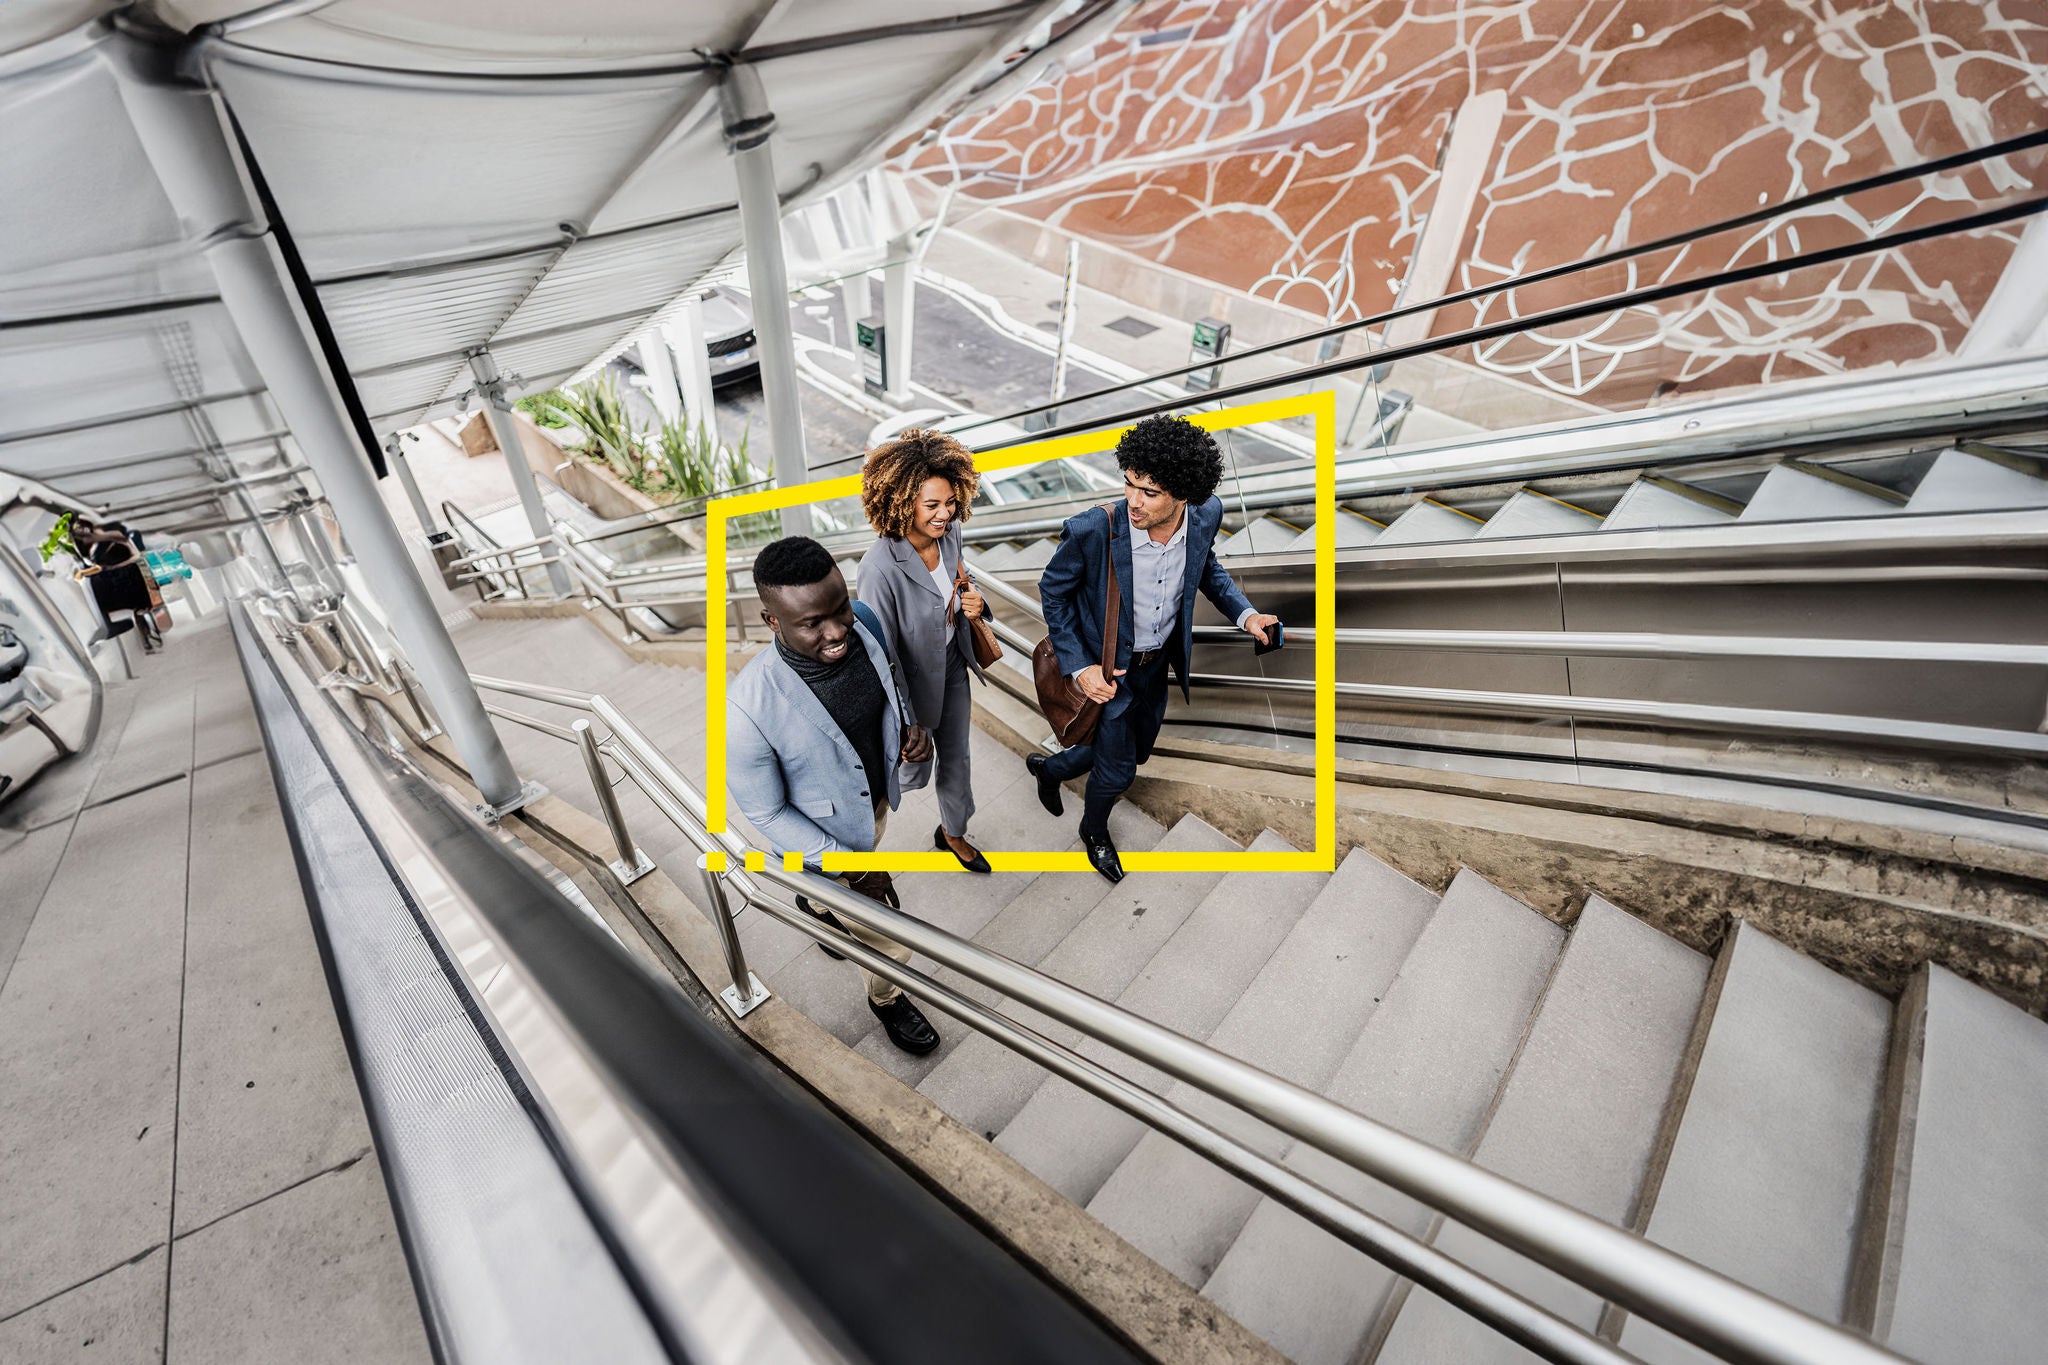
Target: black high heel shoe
975 864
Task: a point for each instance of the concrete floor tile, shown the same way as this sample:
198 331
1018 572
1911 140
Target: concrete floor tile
266 1097
224 723
313 1275
88 1051
27 862
115 1319
157 743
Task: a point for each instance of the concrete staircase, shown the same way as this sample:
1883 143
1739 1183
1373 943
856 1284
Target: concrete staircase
1874 1163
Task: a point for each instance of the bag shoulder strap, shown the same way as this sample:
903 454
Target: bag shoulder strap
1114 604
865 614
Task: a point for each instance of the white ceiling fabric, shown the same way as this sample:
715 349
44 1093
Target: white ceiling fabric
526 175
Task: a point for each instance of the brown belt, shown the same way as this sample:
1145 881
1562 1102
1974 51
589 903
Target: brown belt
1141 657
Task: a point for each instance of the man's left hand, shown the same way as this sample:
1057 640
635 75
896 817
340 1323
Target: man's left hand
917 744
1255 626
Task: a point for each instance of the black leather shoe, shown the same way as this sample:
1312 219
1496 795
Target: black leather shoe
1102 857
804 904
1048 785
975 864
906 1025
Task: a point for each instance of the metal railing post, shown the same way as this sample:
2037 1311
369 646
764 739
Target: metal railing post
631 864
732 588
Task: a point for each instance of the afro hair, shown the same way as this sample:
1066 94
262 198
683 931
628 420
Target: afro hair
792 562
896 471
1175 454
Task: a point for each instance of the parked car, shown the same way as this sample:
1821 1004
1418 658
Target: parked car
729 337
728 342
1076 477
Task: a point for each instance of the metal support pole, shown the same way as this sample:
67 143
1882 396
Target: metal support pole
899 314
685 333
631 864
664 388
313 544
490 386
181 130
748 127
394 455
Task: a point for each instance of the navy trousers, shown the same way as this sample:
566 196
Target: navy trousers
1122 742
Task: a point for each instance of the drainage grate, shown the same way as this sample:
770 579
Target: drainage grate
1132 327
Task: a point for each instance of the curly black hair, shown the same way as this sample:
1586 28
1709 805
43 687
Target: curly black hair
1175 454
792 562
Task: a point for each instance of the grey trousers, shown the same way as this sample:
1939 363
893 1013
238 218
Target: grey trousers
956 724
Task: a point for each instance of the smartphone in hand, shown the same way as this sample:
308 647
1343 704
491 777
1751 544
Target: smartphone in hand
1276 636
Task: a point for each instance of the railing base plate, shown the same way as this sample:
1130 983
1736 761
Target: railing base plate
529 792
628 873
740 1006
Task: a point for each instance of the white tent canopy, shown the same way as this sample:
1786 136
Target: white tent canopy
536 178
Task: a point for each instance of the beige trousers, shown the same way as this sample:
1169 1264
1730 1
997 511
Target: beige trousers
880 992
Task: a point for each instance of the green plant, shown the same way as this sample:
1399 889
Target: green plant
609 433
59 540
691 458
696 465
541 407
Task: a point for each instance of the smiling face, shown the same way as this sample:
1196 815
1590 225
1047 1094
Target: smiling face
814 620
1150 505
936 508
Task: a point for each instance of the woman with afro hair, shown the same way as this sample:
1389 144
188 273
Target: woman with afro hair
917 490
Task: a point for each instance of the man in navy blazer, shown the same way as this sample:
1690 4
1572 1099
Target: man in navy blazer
1163 547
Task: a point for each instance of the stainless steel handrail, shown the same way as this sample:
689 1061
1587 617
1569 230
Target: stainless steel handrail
1515 1317
1736 719
1701 1305
1626 645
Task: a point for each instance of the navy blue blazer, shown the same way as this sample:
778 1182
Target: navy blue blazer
1072 590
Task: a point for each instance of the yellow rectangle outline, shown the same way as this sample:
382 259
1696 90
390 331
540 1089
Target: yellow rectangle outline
1322 406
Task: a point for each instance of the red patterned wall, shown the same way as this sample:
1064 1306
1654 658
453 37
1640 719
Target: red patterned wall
1289 149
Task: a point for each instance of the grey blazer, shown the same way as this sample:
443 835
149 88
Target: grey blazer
791 770
895 582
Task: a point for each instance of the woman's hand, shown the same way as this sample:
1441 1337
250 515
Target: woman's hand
972 603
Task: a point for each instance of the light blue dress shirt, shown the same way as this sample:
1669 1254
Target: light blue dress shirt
1159 575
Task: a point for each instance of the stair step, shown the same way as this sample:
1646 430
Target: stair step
1263 535
983 1084
1967 1226
998 556
1427 1063
1765 1171
1351 529
1072 1140
1429 521
1033 556
1297 1019
1961 480
1798 492
1529 513
1577 1120
1651 502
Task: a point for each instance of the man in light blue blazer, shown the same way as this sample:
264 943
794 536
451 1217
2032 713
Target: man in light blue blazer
815 726
1161 543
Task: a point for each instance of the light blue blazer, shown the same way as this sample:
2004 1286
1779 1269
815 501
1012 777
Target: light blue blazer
791 770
